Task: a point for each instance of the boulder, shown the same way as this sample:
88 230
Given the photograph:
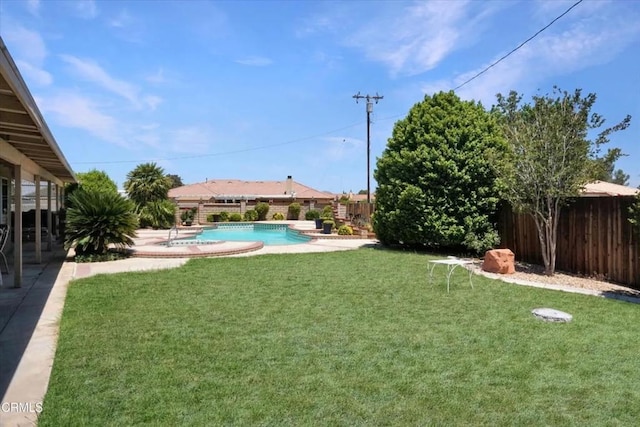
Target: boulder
501 261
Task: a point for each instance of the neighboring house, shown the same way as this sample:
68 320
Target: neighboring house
605 189
355 198
238 196
28 152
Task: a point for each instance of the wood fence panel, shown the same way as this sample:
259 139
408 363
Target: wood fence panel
595 238
361 210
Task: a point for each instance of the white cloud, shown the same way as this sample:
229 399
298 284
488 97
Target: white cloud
416 39
157 78
33 74
94 73
316 24
254 61
33 6
192 139
29 52
76 111
86 9
152 101
27 45
123 19
583 43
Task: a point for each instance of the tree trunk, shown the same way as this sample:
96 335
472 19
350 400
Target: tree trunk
547 227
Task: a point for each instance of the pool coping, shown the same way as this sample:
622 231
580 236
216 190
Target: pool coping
148 242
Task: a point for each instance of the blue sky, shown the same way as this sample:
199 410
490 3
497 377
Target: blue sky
259 90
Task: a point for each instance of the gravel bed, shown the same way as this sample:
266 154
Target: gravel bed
535 273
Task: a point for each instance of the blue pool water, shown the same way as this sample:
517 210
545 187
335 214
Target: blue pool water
269 234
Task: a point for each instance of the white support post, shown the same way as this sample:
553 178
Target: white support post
38 235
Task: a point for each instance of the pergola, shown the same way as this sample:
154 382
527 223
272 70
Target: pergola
28 151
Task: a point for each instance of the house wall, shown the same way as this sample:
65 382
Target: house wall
595 239
282 206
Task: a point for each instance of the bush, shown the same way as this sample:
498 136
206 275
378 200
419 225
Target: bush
262 209
159 214
294 210
109 256
278 216
312 214
437 178
327 212
99 219
224 216
251 215
345 230
188 215
235 217
210 218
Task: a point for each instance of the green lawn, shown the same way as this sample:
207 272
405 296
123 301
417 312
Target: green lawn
346 338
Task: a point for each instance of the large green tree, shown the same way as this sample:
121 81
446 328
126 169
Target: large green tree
147 183
89 181
148 187
605 168
96 180
437 177
551 156
176 181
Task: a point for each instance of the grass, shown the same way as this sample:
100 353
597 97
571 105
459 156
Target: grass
349 338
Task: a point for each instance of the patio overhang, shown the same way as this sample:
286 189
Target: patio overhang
25 138
28 151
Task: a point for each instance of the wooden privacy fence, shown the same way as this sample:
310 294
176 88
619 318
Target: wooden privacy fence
595 238
361 210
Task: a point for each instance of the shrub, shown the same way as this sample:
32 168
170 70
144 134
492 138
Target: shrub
109 256
294 210
210 218
312 214
158 214
99 219
262 209
278 216
438 179
188 215
327 212
251 215
224 216
235 217
345 230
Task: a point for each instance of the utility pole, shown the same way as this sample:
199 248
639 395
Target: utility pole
369 98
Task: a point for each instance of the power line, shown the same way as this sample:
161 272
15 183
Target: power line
519 46
224 153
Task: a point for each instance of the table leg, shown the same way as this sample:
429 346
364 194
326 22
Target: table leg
432 266
450 269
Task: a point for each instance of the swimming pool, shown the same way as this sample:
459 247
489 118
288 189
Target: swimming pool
269 234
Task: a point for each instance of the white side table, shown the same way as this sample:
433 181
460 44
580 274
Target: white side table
451 264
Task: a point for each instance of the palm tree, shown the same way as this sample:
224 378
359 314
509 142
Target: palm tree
147 183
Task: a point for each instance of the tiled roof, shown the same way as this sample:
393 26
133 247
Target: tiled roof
606 189
356 198
235 188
